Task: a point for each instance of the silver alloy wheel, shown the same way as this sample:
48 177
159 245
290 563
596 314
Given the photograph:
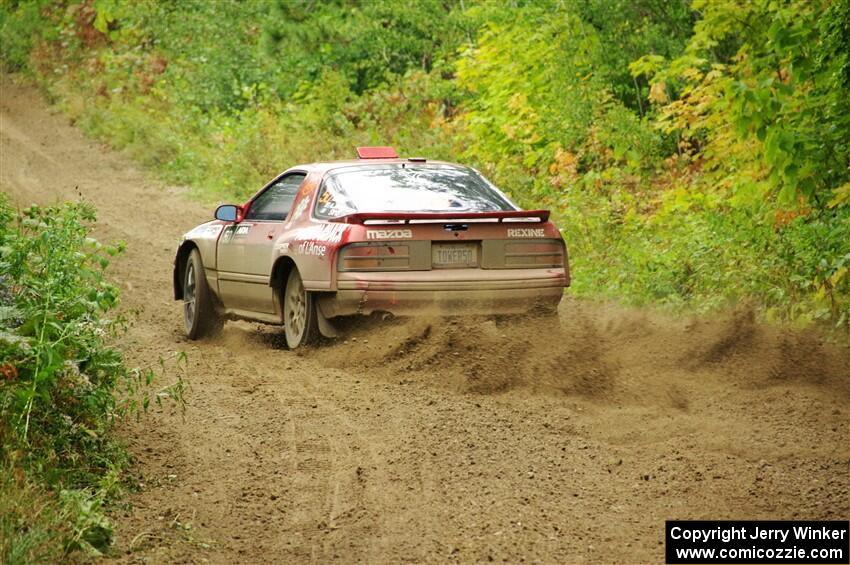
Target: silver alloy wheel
296 307
189 295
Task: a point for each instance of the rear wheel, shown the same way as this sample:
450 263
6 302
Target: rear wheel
300 322
199 316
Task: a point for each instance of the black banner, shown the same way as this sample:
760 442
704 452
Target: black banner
753 541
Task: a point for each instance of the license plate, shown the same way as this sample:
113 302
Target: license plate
454 255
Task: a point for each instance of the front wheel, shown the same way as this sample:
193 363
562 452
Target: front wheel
300 319
199 316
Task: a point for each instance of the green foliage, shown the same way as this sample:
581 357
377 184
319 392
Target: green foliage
630 29
783 90
37 526
368 43
32 525
62 385
702 259
54 330
544 102
21 25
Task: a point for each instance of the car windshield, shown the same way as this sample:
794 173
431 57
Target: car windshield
408 188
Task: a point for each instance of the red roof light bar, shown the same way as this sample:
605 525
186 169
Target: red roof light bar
376 153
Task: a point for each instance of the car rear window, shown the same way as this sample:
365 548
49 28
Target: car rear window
407 188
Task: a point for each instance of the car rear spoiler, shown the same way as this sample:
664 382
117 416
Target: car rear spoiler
437 217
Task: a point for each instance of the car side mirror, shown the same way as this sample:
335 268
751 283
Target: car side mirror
227 212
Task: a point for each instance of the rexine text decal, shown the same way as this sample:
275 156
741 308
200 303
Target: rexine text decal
526 232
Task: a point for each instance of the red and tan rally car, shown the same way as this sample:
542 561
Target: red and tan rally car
376 234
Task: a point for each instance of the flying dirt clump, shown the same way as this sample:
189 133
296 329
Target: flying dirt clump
763 355
805 358
572 361
595 353
485 356
735 334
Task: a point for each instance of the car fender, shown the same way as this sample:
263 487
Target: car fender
204 238
312 247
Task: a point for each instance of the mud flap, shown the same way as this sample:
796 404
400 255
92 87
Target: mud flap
326 327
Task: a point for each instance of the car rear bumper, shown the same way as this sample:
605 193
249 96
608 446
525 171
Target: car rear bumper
457 291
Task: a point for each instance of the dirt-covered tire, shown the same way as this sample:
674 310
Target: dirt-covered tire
300 320
199 316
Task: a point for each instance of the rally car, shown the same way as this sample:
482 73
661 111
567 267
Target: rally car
376 234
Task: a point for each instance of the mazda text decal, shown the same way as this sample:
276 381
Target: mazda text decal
389 234
526 232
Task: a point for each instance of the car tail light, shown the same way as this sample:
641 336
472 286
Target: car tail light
375 257
533 254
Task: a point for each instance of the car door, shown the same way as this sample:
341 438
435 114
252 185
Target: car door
245 248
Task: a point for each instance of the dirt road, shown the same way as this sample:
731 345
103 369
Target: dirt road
439 441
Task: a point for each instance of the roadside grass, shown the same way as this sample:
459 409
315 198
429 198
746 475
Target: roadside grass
33 527
37 525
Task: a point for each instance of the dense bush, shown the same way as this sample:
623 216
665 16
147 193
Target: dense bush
62 385
694 153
